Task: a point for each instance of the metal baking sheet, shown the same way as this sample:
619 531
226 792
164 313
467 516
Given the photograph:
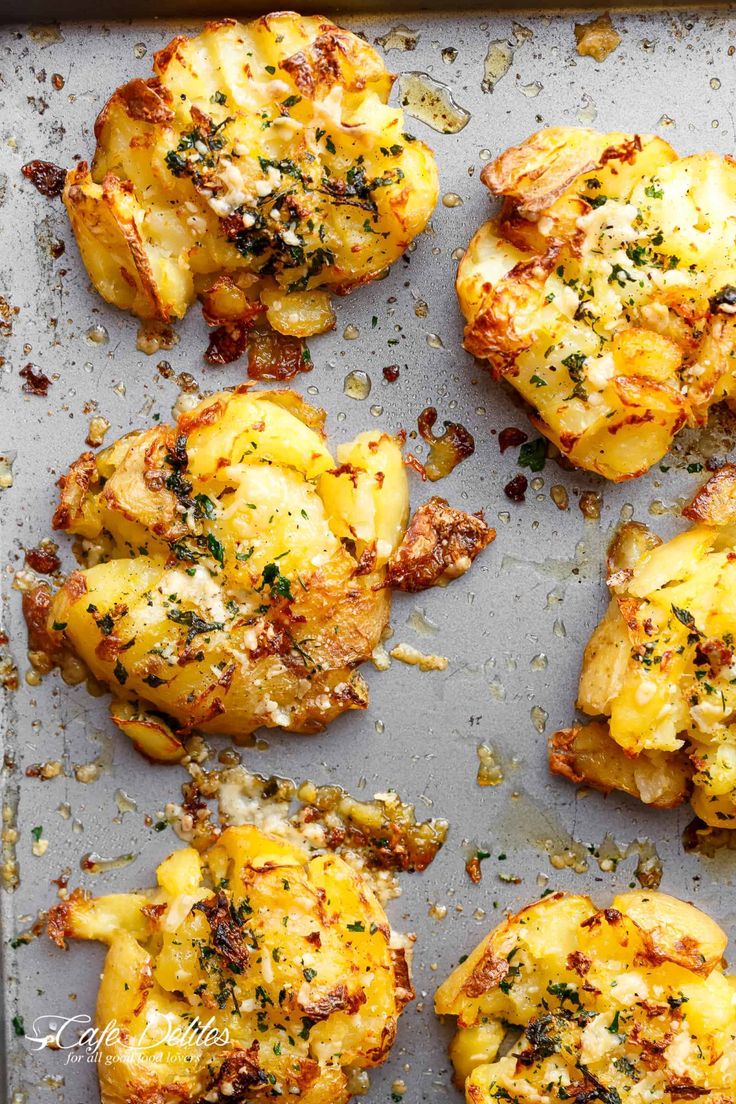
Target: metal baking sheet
535 593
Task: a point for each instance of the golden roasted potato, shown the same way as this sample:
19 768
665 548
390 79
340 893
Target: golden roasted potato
266 152
620 1004
605 290
661 667
235 572
253 971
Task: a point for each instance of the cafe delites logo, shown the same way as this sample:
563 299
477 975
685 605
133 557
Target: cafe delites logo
81 1041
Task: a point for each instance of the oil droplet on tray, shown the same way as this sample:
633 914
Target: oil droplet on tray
498 61
431 102
539 717
98 335
357 385
95 864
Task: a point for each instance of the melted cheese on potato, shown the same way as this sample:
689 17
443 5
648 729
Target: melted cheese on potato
604 291
240 567
266 151
661 666
251 969
627 1003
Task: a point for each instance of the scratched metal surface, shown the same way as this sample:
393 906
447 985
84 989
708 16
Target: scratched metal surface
537 590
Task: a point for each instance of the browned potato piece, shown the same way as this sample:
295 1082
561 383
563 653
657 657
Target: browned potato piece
253 971
236 572
621 1004
263 152
661 667
603 292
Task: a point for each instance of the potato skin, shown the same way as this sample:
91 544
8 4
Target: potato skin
227 597
265 152
290 960
612 1002
659 669
598 290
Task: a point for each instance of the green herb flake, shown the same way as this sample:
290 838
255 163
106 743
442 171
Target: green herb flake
533 454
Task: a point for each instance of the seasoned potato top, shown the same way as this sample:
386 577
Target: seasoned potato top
627 1003
661 666
605 291
266 151
235 566
252 970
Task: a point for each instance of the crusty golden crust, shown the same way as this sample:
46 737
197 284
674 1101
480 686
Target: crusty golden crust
439 545
74 487
587 755
538 171
715 502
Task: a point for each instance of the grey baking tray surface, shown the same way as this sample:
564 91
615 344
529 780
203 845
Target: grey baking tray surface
512 629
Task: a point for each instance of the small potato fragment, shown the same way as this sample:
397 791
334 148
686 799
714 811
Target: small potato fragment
286 974
661 667
623 1002
597 39
439 545
600 292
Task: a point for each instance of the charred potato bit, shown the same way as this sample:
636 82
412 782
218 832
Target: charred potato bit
236 572
618 1005
605 291
439 545
288 959
265 152
661 667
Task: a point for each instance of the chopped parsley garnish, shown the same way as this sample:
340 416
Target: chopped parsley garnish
684 616
278 584
217 550
533 454
564 992
205 505
197 625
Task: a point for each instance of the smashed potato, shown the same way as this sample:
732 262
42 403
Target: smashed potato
253 971
626 1003
605 290
235 572
265 153
661 667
